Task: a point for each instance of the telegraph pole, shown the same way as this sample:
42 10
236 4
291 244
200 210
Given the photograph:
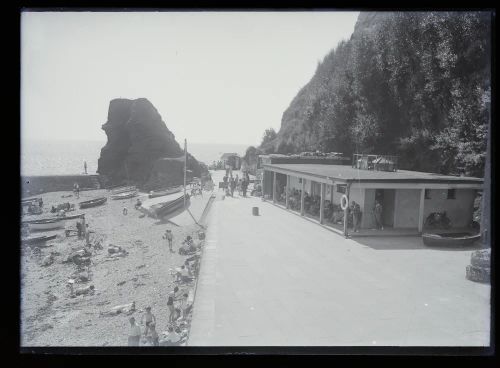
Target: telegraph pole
185 164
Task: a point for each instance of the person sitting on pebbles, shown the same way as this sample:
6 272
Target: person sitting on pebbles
138 204
173 338
184 275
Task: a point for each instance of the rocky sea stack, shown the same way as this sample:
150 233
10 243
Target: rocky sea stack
140 149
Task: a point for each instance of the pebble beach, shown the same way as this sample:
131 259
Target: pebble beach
50 316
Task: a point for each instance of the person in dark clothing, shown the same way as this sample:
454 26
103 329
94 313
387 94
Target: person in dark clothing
232 185
377 210
224 179
79 229
244 186
356 216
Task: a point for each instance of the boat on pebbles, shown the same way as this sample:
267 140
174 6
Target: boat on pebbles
46 224
171 203
125 195
164 192
93 202
123 189
38 239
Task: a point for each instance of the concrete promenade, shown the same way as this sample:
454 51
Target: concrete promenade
277 279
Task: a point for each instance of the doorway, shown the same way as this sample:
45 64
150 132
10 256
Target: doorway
387 198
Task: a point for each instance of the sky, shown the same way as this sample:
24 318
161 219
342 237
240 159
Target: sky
214 77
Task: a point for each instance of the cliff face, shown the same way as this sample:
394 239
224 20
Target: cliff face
412 84
137 139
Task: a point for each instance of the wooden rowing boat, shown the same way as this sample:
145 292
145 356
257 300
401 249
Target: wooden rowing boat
450 239
46 224
161 210
123 189
125 195
93 202
72 217
29 200
164 192
38 239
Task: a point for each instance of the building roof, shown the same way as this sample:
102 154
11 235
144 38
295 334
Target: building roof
227 155
348 173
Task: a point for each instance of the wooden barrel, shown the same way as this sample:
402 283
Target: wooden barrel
255 211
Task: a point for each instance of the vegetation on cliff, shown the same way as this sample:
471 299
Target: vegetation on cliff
414 84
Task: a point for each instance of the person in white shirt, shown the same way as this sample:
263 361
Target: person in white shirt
135 333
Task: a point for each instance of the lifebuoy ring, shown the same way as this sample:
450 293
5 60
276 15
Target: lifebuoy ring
344 202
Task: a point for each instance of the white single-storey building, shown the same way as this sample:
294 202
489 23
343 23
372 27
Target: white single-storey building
407 197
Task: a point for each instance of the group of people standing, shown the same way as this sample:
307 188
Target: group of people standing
232 183
148 319
177 303
355 213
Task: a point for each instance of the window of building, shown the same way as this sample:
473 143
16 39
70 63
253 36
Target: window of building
341 188
451 194
427 194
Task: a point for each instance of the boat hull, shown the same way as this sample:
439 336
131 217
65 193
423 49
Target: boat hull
164 209
125 195
47 225
450 239
38 239
93 202
161 193
123 190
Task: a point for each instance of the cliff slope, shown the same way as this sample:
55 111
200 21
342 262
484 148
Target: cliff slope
414 84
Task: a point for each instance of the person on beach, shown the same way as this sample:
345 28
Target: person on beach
184 305
40 203
169 237
173 337
138 204
150 319
85 166
172 296
185 275
79 229
135 333
76 190
87 235
154 334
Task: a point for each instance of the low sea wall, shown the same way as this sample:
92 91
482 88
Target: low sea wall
33 185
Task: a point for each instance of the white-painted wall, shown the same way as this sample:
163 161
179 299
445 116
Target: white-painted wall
406 208
458 210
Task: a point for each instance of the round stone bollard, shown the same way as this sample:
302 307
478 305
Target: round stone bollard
255 211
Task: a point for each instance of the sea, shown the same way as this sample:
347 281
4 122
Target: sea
58 157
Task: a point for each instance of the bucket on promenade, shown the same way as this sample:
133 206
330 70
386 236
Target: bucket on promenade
255 211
